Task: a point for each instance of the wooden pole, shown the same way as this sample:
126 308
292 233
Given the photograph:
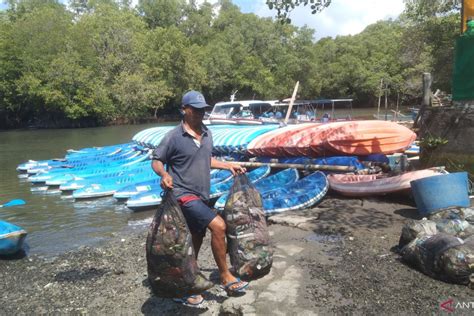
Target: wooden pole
427 80
380 96
398 99
386 105
290 107
296 166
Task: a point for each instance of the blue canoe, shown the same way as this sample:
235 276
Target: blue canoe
136 188
153 198
84 169
12 238
277 180
223 187
152 185
60 164
81 154
73 182
110 186
301 194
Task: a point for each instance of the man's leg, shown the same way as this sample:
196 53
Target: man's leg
197 242
219 247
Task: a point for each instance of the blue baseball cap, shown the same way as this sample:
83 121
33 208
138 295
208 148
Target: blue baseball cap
194 99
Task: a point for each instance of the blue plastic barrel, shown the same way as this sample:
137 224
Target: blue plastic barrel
439 192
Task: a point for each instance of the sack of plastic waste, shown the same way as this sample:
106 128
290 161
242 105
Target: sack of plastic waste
458 263
248 240
441 256
171 260
453 221
414 229
463 213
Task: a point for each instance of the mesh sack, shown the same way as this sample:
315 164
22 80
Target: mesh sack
424 252
458 264
248 240
414 229
171 261
453 221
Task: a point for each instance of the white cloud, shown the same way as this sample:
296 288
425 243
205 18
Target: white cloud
342 17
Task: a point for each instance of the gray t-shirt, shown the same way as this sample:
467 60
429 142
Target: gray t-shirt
188 164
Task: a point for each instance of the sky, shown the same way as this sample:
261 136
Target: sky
342 17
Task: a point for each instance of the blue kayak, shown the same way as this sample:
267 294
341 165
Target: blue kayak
12 238
153 197
151 185
301 194
110 186
133 189
72 181
218 189
277 180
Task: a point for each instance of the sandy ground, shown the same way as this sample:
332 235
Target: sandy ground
337 258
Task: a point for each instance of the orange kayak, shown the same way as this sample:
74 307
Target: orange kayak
369 137
309 142
263 145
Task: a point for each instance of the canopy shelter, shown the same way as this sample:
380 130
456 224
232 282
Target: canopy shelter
310 108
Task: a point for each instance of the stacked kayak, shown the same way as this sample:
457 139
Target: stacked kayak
220 188
279 179
153 197
87 166
227 139
114 152
12 238
370 137
154 185
336 138
235 139
301 194
100 187
373 184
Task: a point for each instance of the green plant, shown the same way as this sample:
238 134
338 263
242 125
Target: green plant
431 142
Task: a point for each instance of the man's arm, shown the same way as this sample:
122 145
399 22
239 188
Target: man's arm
234 168
166 179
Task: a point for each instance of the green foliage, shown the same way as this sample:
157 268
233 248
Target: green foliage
284 7
431 142
101 61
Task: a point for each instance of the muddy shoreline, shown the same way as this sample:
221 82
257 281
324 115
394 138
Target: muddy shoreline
337 258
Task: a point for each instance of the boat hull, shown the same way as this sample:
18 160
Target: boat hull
370 185
12 238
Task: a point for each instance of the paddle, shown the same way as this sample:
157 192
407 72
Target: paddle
296 166
13 203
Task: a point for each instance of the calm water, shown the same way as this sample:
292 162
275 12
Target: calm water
54 222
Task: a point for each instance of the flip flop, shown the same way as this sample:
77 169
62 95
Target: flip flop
235 290
185 301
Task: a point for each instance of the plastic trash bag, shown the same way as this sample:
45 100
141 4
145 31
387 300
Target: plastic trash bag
453 221
441 256
414 229
248 240
455 227
171 260
458 264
